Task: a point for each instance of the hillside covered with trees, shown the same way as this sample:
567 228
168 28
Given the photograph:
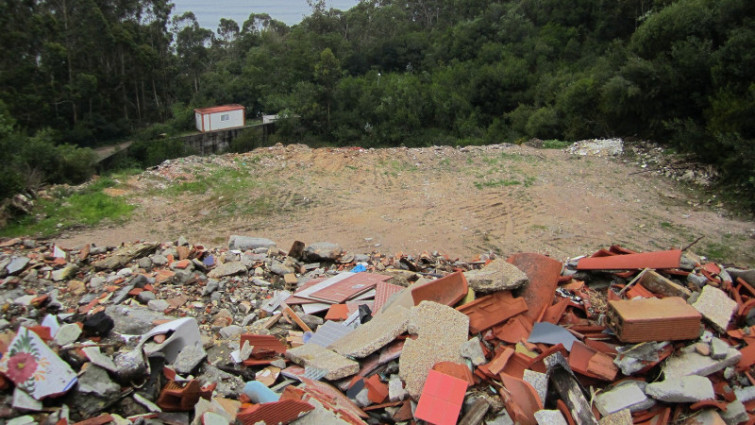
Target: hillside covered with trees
78 73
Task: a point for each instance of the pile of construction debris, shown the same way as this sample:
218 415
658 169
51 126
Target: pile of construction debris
176 333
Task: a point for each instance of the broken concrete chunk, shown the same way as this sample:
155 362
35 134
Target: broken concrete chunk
625 396
685 389
441 332
95 381
125 255
67 334
735 413
634 358
322 251
693 363
189 358
658 284
550 417
17 265
227 269
373 335
247 243
172 338
472 350
498 275
623 417
313 355
716 307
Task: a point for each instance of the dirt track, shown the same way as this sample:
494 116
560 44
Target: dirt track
459 201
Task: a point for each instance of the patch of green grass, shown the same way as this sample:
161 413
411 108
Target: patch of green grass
666 225
496 183
65 210
555 144
717 251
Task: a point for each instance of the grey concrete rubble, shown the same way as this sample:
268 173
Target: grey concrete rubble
499 275
685 389
177 332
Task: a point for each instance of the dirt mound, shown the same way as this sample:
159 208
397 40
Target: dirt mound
462 201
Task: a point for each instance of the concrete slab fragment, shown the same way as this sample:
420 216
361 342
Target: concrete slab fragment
373 335
693 363
685 389
626 396
441 332
498 275
716 307
314 355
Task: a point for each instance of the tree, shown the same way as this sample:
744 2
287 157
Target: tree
327 74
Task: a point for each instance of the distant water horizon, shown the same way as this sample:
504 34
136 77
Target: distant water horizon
290 12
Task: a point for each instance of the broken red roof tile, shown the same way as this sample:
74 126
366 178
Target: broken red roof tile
456 370
589 362
383 405
274 413
516 365
639 291
447 290
349 288
263 345
377 391
175 397
554 313
383 292
652 260
601 346
490 310
404 413
748 357
514 330
337 312
716 404
331 396
42 332
652 319
537 363
441 399
496 365
391 352
521 400
543 273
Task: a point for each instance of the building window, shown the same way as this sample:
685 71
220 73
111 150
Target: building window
225 117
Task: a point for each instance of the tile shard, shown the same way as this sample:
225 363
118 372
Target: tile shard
490 310
543 273
653 260
441 399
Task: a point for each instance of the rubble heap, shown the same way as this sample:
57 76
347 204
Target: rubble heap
177 333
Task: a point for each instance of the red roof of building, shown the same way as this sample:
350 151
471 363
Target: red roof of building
221 108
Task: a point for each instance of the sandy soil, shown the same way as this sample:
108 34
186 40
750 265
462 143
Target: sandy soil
462 202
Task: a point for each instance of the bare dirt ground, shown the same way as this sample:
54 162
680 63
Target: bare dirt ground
460 201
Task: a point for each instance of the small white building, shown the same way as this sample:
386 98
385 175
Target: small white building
220 117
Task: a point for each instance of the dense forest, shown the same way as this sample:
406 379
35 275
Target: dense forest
80 73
